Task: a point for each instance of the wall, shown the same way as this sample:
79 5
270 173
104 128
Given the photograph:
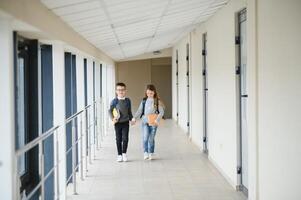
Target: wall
274 85
59 115
164 53
138 73
279 97
182 63
55 28
222 117
7 126
8 25
161 78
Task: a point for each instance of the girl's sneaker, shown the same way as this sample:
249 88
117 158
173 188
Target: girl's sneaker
119 158
151 156
145 157
124 157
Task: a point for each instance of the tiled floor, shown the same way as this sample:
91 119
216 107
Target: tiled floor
179 172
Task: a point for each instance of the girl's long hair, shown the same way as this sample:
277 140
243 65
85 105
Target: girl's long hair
157 100
151 87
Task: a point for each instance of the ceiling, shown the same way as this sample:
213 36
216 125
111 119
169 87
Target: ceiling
126 28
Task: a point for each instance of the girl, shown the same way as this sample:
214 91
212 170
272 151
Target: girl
150 111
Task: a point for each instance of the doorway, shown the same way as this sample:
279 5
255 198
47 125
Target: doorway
188 90
205 95
71 109
33 80
241 69
161 77
177 84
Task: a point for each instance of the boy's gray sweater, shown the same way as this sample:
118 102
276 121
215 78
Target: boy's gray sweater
124 109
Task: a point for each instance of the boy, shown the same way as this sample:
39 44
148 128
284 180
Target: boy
120 113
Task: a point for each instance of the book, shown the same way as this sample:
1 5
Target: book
116 113
151 118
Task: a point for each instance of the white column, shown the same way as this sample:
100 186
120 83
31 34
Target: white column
97 96
7 133
59 110
105 97
80 105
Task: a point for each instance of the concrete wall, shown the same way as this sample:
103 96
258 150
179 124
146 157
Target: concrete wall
222 121
7 115
279 99
20 17
274 79
182 101
164 53
138 73
161 78
46 23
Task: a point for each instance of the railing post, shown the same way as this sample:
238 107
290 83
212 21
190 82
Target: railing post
89 137
57 180
86 138
96 125
73 157
18 182
94 130
100 121
102 118
42 170
81 148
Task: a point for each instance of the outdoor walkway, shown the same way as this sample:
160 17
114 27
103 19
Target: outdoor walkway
179 171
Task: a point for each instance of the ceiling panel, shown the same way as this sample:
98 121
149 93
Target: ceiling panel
52 4
125 28
75 8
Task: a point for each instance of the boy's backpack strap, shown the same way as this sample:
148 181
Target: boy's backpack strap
128 102
115 102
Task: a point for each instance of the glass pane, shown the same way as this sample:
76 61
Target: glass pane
21 113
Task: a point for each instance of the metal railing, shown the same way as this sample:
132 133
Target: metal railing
94 122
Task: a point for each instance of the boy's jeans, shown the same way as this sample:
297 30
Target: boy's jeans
149 133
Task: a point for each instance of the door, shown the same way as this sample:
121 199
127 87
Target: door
27 111
177 84
71 108
86 103
205 95
188 90
94 108
47 116
243 96
100 80
161 78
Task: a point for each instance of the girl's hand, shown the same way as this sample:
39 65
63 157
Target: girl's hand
156 123
133 122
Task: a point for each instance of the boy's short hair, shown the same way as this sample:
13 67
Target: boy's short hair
120 84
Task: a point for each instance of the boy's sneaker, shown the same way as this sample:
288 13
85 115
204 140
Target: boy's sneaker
145 157
151 156
119 158
124 157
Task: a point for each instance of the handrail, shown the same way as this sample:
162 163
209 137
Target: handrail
36 141
46 134
75 141
69 119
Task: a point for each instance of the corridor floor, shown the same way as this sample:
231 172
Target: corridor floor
179 171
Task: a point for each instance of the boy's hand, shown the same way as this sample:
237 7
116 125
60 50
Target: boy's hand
114 120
